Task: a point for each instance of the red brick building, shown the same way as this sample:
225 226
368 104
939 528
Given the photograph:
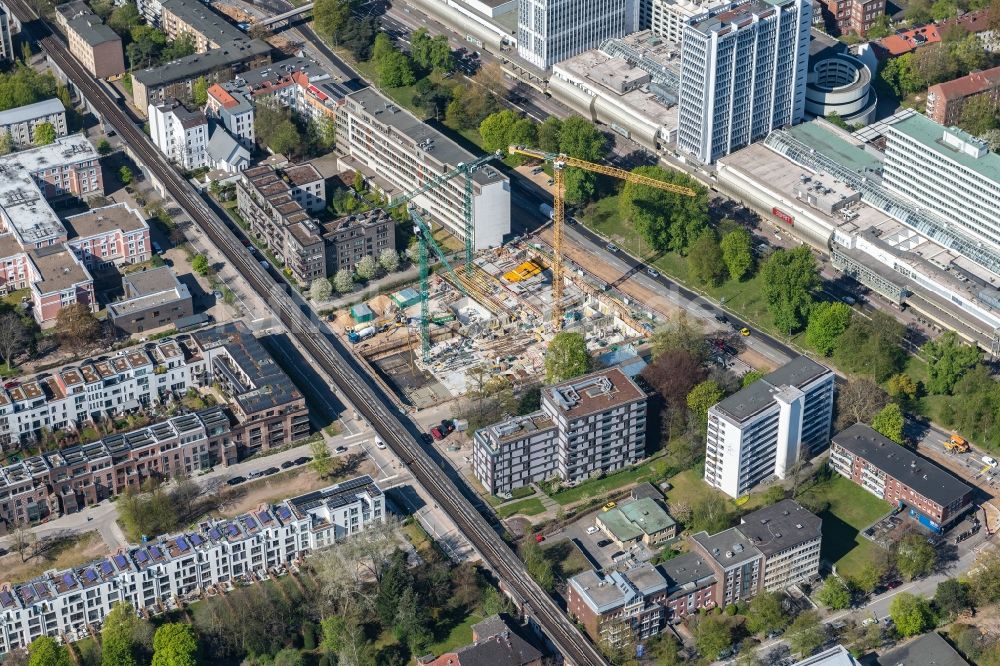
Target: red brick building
945 101
842 17
930 495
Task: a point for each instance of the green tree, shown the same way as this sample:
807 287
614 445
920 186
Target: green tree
24 85
835 594
581 139
124 18
174 644
666 221
566 357
767 613
45 134
497 129
915 557
680 333
539 566
918 12
826 323
331 17
703 396
343 281
199 91
705 262
881 27
366 267
103 147
984 580
901 386
952 597
868 577
45 651
549 135
710 513
737 253
288 657
125 175
200 265
388 259
274 128
943 10
116 636
750 377
806 633
7 143
912 615
320 289
713 635
395 70
872 346
790 277
901 76
979 115
948 358
889 421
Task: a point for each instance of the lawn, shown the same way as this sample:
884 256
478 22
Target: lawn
528 507
460 634
652 470
566 558
852 508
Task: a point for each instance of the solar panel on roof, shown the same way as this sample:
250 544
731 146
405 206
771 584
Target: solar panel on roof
6 599
283 512
69 580
141 556
156 552
264 517
249 522
232 530
214 533
107 568
90 575
182 544
196 540
121 561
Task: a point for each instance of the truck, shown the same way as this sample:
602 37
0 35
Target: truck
956 444
357 336
545 210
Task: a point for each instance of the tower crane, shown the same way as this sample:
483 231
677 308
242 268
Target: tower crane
424 239
559 163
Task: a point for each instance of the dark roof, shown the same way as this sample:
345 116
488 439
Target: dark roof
745 403
902 464
927 650
193 66
686 573
779 526
498 645
728 547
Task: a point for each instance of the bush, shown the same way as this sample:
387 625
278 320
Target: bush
308 636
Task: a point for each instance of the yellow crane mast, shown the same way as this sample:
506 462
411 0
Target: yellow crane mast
559 163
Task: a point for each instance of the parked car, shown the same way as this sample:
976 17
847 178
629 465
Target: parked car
269 471
989 461
653 273
379 444
745 332
436 434
256 474
303 460
592 530
341 449
604 543
426 436
235 481
721 318
288 464
610 505
156 248
611 247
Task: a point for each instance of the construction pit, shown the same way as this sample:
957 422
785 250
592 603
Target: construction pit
501 322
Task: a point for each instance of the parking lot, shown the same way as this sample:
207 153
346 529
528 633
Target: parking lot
598 546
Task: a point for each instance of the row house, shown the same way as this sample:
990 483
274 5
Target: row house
166 572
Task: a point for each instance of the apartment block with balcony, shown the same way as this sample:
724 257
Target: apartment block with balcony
397 153
351 238
109 236
621 606
214 556
180 134
923 491
8 27
843 17
273 202
738 564
761 431
589 425
208 29
789 537
20 123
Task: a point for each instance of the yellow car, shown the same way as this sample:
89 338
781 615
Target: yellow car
745 332
610 505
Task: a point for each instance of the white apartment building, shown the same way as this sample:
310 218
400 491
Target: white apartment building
668 17
947 171
762 430
180 134
20 123
234 111
789 536
592 424
550 31
164 573
743 74
398 153
8 26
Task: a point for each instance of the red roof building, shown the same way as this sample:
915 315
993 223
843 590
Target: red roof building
945 101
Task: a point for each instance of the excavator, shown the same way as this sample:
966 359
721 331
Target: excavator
956 444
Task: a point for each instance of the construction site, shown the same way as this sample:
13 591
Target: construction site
497 316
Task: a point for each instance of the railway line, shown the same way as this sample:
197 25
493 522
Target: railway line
398 434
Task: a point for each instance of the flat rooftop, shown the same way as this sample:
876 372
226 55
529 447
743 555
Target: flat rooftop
103 220
686 572
405 123
30 218
199 17
31 111
749 401
728 548
928 133
836 144
596 392
59 268
779 526
902 464
517 427
194 65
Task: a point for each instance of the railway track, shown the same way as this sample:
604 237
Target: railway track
397 433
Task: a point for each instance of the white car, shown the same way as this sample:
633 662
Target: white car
989 461
591 530
379 444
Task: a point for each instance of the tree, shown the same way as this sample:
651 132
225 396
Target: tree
395 70
331 16
680 333
943 10
496 130
7 143
872 346
901 75
199 91
984 580
737 253
664 220
125 175
705 260
767 613
116 636
993 15
343 281
673 374
991 137
45 134
174 644
858 402
979 115
952 597
25 85
889 422
835 594
881 27
750 377
806 633
566 357
826 323
789 279
77 325
275 129
539 566
912 615
366 267
948 359
124 18
703 396
322 462
581 139
320 289
713 635
288 657
103 147
549 134
13 337
200 265
915 557
45 651
918 12
868 577
709 513
901 386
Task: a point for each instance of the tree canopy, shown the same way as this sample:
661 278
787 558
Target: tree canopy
737 253
890 422
806 633
705 259
45 651
45 133
174 644
872 346
834 594
915 556
566 357
703 396
767 613
665 220
826 323
713 635
912 615
790 277
948 359
504 128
